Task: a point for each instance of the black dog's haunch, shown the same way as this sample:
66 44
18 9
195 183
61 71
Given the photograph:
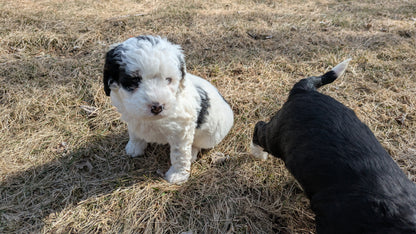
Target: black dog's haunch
353 184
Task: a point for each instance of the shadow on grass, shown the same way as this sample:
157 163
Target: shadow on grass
30 196
240 195
221 196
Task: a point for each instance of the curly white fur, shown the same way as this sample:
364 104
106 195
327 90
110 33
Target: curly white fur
193 115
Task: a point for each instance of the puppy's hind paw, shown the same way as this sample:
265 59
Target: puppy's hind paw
135 148
258 152
176 177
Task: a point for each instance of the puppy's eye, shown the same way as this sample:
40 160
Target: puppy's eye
136 79
169 80
134 84
130 83
132 88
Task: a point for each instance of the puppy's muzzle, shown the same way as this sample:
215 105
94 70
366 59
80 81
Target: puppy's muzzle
156 108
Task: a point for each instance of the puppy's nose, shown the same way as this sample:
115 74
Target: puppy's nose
156 108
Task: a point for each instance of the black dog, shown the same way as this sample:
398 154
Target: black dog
353 184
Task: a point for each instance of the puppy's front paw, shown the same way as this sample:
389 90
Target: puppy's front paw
258 152
176 177
135 148
195 152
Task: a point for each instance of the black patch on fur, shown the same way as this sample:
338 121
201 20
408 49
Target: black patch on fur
112 68
130 83
115 73
205 104
353 184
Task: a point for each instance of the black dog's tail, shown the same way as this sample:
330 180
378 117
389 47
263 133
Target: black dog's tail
314 82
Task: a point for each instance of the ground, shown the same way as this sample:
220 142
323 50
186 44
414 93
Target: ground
63 168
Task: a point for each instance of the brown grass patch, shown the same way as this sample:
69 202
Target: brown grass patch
63 169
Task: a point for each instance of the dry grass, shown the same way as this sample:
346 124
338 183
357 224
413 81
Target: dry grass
63 169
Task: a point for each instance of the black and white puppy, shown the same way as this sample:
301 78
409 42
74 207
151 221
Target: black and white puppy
353 184
147 81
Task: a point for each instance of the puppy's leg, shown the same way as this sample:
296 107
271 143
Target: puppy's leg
258 152
195 151
256 149
180 157
136 146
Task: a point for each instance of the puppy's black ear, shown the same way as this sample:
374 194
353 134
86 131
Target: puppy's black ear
106 81
111 71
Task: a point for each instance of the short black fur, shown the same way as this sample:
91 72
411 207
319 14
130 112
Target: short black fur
205 104
353 184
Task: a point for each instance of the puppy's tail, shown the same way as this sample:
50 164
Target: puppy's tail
314 82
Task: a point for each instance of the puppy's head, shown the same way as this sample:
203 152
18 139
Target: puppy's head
143 76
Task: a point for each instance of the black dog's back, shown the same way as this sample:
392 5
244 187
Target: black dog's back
352 182
343 168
